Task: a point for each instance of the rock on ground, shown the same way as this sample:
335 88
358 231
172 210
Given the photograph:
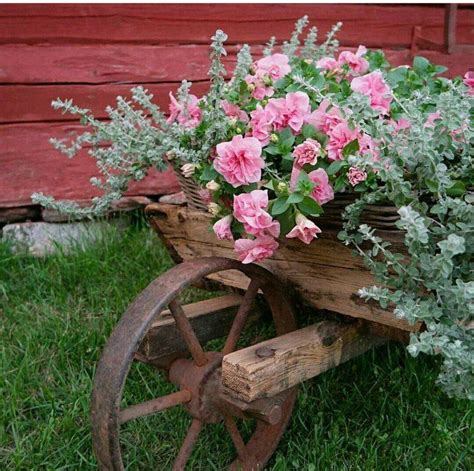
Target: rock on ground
43 238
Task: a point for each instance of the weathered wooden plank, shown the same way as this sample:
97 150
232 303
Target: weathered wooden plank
29 164
25 103
41 64
272 366
389 25
324 273
210 319
82 64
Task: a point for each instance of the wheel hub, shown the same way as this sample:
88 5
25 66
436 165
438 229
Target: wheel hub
203 382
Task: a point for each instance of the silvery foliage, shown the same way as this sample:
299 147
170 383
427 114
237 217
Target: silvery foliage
137 136
432 279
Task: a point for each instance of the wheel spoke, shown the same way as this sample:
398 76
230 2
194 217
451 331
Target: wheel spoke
187 446
236 437
241 317
188 333
154 406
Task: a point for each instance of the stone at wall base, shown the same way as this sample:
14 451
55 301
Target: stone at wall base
175 198
43 238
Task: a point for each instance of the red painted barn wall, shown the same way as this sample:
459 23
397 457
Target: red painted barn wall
92 53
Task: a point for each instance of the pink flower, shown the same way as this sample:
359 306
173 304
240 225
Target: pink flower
339 137
249 209
239 161
355 61
290 111
307 153
260 90
205 195
356 175
469 81
188 116
249 250
431 118
261 125
233 111
324 120
305 230
328 63
368 146
275 66
222 228
323 191
401 124
374 86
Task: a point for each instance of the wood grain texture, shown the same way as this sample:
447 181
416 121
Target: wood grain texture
388 25
29 163
324 273
210 319
272 366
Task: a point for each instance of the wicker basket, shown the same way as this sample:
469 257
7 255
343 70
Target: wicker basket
376 216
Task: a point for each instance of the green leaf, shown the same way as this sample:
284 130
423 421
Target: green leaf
288 156
269 185
457 190
286 220
272 150
351 148
279 206
309 206
208 174
295 198
335 167
421 65
309 131
340 183
432 185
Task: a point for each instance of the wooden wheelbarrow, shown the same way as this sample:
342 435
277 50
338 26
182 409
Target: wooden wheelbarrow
258 381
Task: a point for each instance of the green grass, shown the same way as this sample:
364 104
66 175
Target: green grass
380 411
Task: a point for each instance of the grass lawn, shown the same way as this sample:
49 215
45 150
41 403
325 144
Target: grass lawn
380 411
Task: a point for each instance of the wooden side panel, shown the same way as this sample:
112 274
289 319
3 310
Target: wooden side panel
29 163
372 25
324 273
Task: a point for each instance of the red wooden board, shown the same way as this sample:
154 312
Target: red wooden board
372 25
29 164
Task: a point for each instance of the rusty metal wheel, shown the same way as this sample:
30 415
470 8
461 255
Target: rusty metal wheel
198 377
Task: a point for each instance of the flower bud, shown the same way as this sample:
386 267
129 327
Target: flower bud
282 186
170 155
214 209
239 130
213 185
250 87
267 80
274 137
308 61
188 170
233 122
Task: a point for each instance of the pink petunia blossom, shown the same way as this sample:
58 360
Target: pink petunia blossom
374 86
305 229
240 160
356 62
188 116
233 111
249 209
261 124
431 118
249 251
259 89
328 63
205 195
367 145
323 191
356 175
290 111
222 228
275 66
469 81
324 120
339 137
400 125
307 153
